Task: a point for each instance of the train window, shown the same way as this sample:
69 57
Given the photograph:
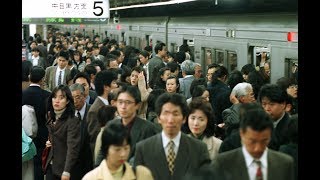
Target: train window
291 68
147 40
122 36
219 57
262 56
207 56
173 48
251 56
135 42
232 60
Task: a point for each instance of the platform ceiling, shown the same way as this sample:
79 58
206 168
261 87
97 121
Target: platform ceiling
203 7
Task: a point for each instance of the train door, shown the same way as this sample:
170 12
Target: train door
226 58
260 57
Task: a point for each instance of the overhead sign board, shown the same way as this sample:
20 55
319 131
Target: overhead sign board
65 9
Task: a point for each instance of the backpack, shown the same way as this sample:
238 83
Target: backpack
29 150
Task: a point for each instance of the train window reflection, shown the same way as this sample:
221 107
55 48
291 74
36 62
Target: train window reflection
208 56
232 60
219 57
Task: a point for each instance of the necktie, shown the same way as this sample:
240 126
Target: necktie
259 171
79 115
59 78
81 123
171 156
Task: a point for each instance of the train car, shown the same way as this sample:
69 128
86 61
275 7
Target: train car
230 40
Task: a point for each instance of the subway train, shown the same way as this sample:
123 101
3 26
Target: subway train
232 40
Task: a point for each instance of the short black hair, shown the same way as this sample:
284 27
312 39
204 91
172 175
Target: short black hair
64 54
133 91
105 114
174 98
26 69
252 115
36 74
114 134
273 92
104 78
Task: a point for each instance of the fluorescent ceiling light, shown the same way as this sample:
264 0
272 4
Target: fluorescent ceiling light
152 4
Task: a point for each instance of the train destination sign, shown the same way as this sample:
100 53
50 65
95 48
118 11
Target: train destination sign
65 11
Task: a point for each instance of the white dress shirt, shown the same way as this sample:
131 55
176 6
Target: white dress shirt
252 166
166 140
62 75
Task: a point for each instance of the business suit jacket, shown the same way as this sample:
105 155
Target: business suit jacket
50 77
140 130
185 84
153 62
231 165
92 96
192 154
65 139
37 97
93 122
84 162
41 62
280 133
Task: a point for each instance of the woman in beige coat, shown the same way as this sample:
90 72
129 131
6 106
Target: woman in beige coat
116 145
200 125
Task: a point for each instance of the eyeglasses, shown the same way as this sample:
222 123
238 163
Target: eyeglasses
126 102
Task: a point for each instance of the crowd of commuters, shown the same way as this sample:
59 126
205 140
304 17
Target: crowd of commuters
107 110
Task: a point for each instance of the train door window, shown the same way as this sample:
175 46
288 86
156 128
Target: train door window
122 36
219 57
232 60
147 40
116 37
130 41
207 56
173 48
134 41
262 56
251 55
291 68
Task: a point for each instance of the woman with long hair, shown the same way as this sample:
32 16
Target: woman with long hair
64 134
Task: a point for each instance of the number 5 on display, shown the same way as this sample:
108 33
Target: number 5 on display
96 6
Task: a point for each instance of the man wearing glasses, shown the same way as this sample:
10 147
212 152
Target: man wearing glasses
128 103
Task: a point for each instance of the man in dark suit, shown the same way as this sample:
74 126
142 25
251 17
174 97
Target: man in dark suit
254 160
84 162
186 153
161 51
274 101
128 102
103 83
37 97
